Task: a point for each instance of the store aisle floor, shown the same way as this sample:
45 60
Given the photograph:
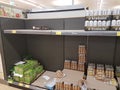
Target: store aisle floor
5 87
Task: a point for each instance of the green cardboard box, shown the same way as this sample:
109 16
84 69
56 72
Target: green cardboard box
21 79
16 78
20 69
29 76
39 69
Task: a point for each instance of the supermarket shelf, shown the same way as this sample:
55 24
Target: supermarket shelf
97 26
99 16
29 86
24 31
98 85
63 32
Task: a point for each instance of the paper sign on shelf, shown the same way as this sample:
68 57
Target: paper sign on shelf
46 77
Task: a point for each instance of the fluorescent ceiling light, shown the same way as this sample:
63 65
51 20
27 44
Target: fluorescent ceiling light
33 1
7 3
76 2
62 2
101 3
117 7
29 3
4 2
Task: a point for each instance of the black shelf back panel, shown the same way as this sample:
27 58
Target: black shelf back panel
54 24
57 24
117 61
74 23
8 23
48 50
101 50
14 46
71 46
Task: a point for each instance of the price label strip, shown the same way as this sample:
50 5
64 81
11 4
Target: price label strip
118 34
20 84
58 33
27 86
9 81
13 31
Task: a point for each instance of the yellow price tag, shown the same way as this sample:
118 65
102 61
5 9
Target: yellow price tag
13 31
27 86
20 84
10 82
58 33
118 33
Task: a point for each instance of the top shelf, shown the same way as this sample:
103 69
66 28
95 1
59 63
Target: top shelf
98 16
63 32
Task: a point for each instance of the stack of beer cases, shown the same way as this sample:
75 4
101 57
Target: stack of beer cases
82 57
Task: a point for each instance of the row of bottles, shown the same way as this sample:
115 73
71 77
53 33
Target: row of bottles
102 20
102 14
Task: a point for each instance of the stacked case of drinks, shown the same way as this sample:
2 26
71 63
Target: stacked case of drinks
100 72
91 69
82 57
67 64
74 65
109 71
66 86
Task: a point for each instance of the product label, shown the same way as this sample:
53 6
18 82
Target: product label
58 33
118 33
16 74
20 62
14 31
20 84
27 86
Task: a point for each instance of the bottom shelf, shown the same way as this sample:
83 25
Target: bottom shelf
98 85
29 86
71 76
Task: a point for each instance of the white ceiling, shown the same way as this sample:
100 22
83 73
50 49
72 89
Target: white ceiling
92 4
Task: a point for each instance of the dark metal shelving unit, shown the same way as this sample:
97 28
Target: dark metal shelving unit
52 47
